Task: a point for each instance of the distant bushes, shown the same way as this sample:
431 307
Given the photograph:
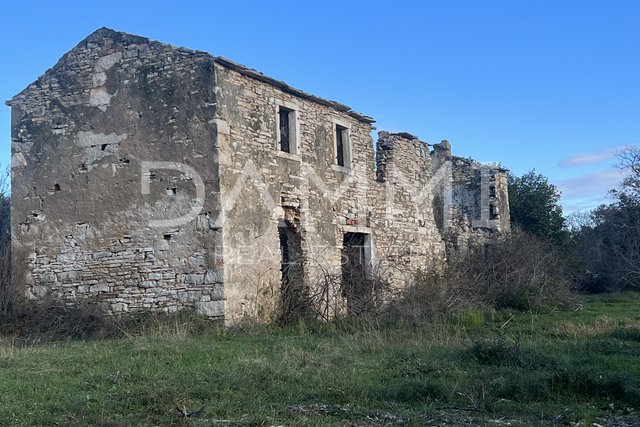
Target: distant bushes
608 247
8 294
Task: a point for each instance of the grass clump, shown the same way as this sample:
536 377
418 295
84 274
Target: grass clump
627 334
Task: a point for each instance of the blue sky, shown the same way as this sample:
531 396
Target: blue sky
550 85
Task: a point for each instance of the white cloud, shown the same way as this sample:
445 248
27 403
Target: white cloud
585 204
591 184
582 159
589 190
593 157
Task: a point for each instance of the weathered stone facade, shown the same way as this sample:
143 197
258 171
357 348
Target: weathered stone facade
149 177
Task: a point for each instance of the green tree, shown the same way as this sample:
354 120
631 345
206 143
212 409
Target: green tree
609 243
534 206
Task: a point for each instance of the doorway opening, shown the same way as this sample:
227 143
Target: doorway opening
357 283
294 296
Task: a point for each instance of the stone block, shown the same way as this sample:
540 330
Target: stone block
68 276
101 255
194 279
189 296
148 284
119 307
48 278
213 276
39 291
210 308
99 288
218 292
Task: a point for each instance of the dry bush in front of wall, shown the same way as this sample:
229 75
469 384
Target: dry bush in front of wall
522 272
8 295
45 320
296 299
333 294
13 267
517 271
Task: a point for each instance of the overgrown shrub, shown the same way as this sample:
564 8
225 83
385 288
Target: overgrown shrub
521 272
9 295
518 271
52 320
363 296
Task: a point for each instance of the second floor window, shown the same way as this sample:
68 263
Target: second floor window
342 141
286 130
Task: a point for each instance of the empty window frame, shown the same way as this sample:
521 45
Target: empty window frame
342 146
287 130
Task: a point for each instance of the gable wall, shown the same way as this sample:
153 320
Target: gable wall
80 136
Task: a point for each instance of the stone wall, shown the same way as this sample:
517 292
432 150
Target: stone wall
149 177
80 135
407 236
259 182
473 199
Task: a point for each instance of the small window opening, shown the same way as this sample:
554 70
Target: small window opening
342 145
56 187
492 191
494 211
104 147
167 236
285 122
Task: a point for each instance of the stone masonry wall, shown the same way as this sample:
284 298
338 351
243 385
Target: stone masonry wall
149 177
80 135
477 209
258 182
407 236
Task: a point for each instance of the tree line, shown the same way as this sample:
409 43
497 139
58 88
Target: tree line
602 247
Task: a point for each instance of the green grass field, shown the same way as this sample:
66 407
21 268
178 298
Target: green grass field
477 368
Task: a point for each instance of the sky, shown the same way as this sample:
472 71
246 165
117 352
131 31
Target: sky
547 85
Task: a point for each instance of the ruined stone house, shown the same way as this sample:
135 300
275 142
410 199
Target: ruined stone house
150 177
